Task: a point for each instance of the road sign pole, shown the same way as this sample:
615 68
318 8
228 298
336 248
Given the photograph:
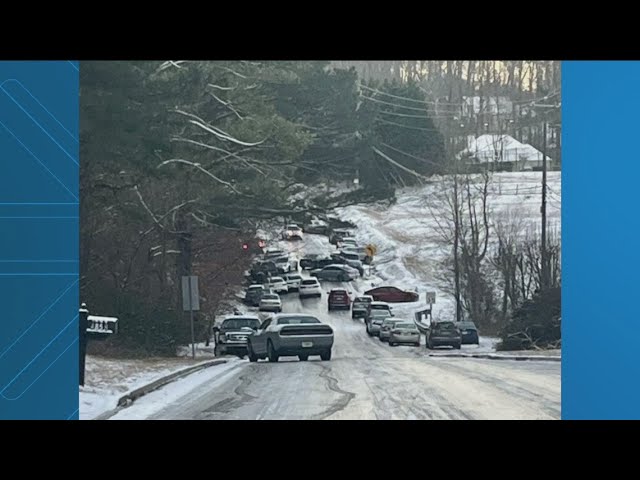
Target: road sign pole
193 334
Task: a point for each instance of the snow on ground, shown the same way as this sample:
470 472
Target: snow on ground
406 234
107 380
171 393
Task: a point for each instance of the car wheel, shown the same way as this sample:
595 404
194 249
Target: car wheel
252 356
325 356
271 353
303 358
458 346
392 344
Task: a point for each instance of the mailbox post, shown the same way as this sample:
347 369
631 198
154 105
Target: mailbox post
92 328
82 339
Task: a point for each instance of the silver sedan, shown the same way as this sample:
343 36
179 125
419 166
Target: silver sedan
404 332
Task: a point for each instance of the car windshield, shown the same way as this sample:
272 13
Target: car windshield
379 307
276 280
255 289
467 325
445 326
309 282
270 297
380 314
351 256
297 320
406 326
363 300
233 323
389 321
292 227
294 277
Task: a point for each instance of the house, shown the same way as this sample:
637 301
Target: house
500 153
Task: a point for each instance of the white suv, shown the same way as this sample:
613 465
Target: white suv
293 281
310 287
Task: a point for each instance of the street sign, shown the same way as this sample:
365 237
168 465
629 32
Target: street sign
371 250
431 298
190 296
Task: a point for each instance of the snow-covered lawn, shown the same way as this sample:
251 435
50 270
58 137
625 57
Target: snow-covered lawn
410 247
108 379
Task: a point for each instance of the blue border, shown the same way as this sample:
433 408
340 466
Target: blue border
39 235
601 232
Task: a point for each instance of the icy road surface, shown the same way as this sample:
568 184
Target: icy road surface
366 379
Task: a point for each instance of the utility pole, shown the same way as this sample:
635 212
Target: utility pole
543 210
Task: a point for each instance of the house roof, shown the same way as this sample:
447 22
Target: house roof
492 147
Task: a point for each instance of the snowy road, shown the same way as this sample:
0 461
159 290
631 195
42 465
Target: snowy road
365 379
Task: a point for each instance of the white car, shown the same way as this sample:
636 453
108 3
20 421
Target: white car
310 287
293 281
292 231
283 264
277 285
270 302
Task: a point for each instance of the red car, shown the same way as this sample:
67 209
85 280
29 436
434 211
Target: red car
392 295
339 298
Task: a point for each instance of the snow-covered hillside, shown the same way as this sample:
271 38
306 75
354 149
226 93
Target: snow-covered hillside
406 234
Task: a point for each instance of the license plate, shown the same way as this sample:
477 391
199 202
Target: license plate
307 344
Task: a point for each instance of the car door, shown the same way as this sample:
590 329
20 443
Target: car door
395 295
259 339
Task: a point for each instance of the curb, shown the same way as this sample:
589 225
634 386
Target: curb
490 356
130 397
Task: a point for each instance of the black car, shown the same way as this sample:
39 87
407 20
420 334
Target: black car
338 234
254 295
231 335
469 333
442 334
317 229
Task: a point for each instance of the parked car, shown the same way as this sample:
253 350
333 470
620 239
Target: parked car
336 273
292 232
469 333
360 306
231 335
385 328
392 295
283 264
373 306
338 234
345 242
374 321
290 334
277 285
404 332
266 267
339 298
317 227
254 294
272 253
270 302
353 260
310 287
293 281
444 334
